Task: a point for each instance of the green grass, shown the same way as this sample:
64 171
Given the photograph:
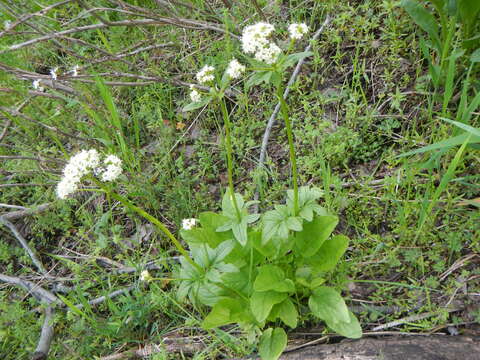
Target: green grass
362 100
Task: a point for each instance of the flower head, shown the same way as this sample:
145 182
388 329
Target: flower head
36 85
235 69
79 165
195 96
297 30
113 168
255 36
206 75
7 24
53 73
145 276
87 162
75 70
188 224
268 54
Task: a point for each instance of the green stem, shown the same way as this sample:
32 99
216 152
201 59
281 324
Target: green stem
159 225
228 143
293 160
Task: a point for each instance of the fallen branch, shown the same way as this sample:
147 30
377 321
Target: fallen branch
169 345
46 336
411 318
40 293
24 244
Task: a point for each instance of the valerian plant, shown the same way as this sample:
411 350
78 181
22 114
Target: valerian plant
254 273
251 269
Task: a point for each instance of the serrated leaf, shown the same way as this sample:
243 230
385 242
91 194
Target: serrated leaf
314 233
329 253
272 343
261 303
271 277
350 329
328 305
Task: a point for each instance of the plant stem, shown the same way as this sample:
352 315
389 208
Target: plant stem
228 144
293 160
159 225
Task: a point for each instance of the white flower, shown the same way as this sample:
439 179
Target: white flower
53 73
188 224
145 276
79 165
195 96
75 70
255 36
206 75
235 69
36 85
268 54
113 168
7 24
297 30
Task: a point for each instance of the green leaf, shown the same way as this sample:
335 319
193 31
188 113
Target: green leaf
330 253
307 202
272 343
271 277
328 305
261 303
467 128
278 223
258 78
350 329
292 59
224 312
287 312
468 10
445 144
314 233
475 57
198 104
423 18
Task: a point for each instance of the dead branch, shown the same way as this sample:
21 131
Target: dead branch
169 345
14 215
46 336
36 261
185 23
113 294
40 293
48 127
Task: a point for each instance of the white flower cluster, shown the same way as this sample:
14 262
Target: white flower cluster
36 85
195 96
84 163
7 24
235 69
145 276
188 224
53 73
297 30
255 41
205 75
75 70
112 169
